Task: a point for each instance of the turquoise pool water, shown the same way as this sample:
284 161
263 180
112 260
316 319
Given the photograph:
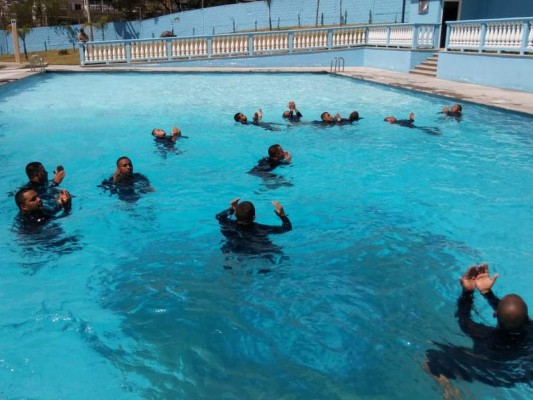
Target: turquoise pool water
131 300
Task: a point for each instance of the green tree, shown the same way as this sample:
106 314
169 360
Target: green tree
22 35
269 5
102 25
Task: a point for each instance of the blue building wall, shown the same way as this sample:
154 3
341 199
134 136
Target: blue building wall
224 19
433 16
489 9
492 70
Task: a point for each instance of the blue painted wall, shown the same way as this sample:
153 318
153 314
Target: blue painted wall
394 60
433 16
489 9
489 70
224 19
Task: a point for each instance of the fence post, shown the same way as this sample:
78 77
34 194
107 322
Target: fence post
448 33
128 52
525 37
388 37
483 34
169 48
209 47
330 39
251 44
414 42
291 40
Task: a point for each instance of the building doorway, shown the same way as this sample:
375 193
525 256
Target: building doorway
450 12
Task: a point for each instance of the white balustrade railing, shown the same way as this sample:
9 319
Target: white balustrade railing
175 48
513 35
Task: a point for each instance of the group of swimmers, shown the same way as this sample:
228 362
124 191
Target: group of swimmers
41 200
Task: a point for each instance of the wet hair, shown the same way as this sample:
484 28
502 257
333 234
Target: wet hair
153 131
286 114
122 158
322 115
19 197
236 117
33 169
274 151
512 313
460 107
245 212
354 116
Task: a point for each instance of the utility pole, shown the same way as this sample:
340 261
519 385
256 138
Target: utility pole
317 8
88 12
15 35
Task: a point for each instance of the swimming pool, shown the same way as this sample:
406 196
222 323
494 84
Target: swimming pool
132 300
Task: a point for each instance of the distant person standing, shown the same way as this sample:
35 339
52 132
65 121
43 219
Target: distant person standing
83 38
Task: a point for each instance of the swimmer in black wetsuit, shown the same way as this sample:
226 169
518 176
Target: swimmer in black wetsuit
276 157
501 355
292 114
240 117
249 239
410 123
161 136
38 181
455 111
125 183
32 212
354 116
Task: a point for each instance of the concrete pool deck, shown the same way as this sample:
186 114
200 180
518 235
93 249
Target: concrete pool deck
512 100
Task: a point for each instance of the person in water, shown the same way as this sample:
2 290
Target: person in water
455 111
502 355
32 211
292 114
257 121
276 157
410 123
161 136
126 183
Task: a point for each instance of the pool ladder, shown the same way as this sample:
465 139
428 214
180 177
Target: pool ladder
337 65
37 63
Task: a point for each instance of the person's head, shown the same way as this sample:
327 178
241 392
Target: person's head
240 117
124 166
157 132
326 117
276 153
354 116
456 108
82 30
245 213
292 105
36 172
512 313
28 200
390 119
286 114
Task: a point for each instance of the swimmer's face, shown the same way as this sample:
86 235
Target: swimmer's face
292 105
455 108
327 117
125 166
286 114
391 120
32 202
158 132
242 118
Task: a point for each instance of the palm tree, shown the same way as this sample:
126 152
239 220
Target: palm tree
102 24
22 34
269 5
317 9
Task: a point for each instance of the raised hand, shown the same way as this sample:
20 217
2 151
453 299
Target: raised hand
468 280
279 209
484 281
233 203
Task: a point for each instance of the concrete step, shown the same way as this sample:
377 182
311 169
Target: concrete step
423 72
426 67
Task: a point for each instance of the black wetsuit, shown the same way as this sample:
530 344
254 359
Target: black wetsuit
498 358
250 239
127 188
266 165
408 123
47 192
294 116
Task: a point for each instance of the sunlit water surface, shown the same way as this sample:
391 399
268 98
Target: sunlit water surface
132 300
